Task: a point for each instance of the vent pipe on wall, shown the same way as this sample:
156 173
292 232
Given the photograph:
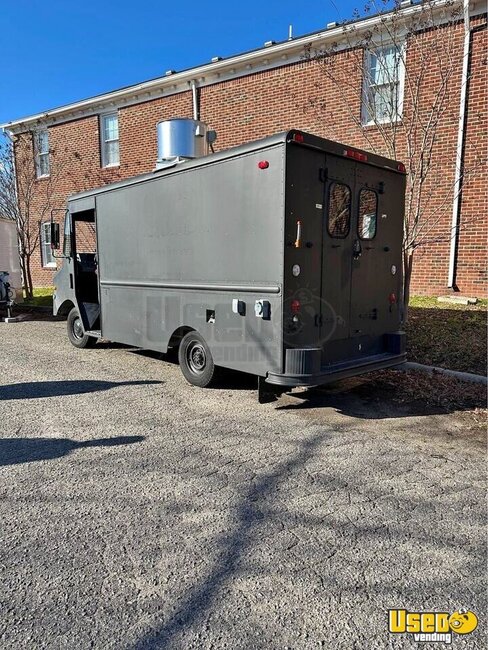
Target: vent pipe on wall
194 96
458 178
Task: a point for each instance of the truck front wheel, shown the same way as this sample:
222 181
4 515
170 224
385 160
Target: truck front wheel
196 361
76 333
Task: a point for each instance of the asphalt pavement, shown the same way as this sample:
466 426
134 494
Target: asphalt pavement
137 511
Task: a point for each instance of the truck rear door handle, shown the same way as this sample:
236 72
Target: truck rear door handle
318 320
357 249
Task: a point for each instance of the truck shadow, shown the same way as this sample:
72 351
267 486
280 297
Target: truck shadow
14 451
354 405
390 394
27 313
38 389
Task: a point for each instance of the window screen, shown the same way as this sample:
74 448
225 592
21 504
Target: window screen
368 213
339 210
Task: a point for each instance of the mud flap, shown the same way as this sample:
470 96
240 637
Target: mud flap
268 393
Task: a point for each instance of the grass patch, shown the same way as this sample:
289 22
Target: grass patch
449 336
430 302
43 297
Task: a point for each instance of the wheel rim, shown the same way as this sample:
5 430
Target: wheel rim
78 328
196 357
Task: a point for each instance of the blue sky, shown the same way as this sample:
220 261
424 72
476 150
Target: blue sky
58 51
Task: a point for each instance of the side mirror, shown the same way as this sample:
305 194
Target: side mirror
54 235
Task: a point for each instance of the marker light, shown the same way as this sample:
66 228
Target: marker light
295 306
357 155
401 168
298 137
263 164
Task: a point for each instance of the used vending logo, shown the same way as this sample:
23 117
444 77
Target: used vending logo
431 626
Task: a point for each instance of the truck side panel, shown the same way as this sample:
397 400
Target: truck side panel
175 251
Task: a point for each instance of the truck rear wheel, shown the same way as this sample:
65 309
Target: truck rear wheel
196 361
76 333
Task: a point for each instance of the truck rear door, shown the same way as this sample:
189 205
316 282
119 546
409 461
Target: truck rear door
337 250
361 259
376 252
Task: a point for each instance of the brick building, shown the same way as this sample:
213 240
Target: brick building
278 87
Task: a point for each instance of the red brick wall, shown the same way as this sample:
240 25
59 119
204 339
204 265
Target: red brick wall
301 96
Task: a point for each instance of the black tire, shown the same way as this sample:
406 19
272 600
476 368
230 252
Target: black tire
195 360
76 333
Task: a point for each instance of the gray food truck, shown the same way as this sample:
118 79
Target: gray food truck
280 258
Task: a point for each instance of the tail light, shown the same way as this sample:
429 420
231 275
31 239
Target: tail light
295 306
392 299
357 155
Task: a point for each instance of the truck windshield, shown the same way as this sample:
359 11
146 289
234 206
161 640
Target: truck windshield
67 235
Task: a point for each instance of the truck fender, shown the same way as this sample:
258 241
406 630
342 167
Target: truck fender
178 334
65 308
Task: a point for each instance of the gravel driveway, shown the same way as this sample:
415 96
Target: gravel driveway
140 512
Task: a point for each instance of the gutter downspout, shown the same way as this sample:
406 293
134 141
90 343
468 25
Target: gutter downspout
194 96
458 178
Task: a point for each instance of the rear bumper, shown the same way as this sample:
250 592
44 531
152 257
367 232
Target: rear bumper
337 371
303 365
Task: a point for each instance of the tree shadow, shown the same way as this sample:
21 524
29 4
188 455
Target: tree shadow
255 509
38 389
233 545
14 451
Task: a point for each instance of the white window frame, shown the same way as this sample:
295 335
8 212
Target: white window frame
44 154
366 107
47 257
103 141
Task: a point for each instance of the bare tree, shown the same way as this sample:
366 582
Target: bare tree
25 198
398 84
29 200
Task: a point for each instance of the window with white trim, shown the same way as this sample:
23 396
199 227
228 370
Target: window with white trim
383 84
41 147
47 257
109 139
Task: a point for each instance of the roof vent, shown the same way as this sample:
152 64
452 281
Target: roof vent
216 58
169 72
332 25
269 43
